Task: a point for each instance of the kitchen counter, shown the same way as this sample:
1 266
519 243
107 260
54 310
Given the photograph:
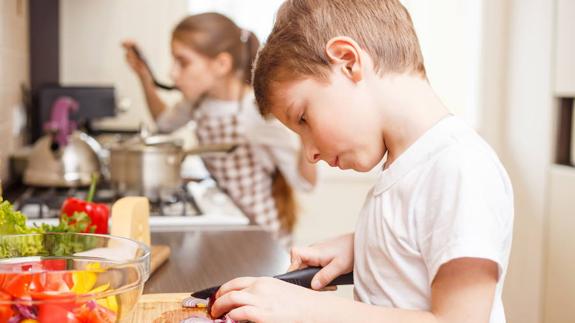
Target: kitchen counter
203 258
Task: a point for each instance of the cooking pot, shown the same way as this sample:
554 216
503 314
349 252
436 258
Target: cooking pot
53 165
151 166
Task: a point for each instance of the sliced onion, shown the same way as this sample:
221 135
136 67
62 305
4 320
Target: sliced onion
15 319
91 305
197 319
193 302
201 319
27 312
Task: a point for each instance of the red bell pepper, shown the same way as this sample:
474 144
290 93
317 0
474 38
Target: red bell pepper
97 212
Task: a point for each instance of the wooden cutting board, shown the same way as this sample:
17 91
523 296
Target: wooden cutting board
161 308
130 219
160 255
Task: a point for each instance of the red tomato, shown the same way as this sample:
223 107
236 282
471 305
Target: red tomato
17 285
6 311
56 313
51 282
54 264
65 300
69 280
97 314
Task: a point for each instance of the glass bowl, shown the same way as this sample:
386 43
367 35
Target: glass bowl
70 277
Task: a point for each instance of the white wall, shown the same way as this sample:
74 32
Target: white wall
450 37
516 85
14 72
254 15
91 34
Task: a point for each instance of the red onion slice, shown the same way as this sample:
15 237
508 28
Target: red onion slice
193 302
197 319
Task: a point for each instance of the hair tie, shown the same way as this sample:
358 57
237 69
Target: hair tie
245 35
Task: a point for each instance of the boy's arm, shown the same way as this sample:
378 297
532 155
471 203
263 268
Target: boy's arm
462 292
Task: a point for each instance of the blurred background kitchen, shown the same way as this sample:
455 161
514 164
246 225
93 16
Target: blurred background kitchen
505 66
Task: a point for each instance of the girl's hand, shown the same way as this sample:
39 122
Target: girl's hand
135 62
266 299
335 256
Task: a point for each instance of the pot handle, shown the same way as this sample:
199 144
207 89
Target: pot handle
210 149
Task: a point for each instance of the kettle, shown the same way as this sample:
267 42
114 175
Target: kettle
64 157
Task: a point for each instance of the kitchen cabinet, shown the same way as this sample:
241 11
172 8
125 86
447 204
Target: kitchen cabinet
560 269
565 48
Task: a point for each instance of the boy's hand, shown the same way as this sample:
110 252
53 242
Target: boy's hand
335 256
265 299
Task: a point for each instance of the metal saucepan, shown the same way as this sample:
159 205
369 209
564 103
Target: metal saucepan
151 166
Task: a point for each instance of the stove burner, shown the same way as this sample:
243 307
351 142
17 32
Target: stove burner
44 203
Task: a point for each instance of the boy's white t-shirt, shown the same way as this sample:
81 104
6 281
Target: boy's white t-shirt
446 197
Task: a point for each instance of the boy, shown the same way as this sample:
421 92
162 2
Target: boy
433 239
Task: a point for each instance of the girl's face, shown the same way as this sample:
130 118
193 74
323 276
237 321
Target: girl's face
193 73
337 121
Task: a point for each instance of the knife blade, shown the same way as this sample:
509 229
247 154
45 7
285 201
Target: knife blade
300 277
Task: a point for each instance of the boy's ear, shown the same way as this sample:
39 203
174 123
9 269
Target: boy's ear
343 52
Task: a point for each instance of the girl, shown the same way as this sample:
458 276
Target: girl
213 59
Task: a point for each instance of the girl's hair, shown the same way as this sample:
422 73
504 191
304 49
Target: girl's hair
212 33
284 199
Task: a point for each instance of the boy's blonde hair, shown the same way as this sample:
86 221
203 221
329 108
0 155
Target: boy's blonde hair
296 47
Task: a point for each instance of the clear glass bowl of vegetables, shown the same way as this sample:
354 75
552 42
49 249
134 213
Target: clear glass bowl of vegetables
70 277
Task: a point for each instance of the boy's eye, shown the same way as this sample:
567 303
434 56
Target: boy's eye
182 62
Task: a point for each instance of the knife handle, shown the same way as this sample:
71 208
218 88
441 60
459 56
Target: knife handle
303 277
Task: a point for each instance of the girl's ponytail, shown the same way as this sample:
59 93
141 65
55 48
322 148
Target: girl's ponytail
251 45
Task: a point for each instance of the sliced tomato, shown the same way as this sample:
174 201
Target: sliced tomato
69 280
54 264
95 314
58 282
56 313
6 311
65 300
17 285
51 282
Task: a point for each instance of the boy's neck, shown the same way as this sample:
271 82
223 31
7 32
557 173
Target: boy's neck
409 108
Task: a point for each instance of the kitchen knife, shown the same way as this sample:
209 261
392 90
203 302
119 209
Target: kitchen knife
301 277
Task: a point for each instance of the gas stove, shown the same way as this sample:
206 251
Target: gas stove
193 204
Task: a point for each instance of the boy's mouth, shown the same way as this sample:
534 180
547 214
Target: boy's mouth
335 162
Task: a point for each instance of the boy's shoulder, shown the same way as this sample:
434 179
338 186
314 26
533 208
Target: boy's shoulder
469 163
447 153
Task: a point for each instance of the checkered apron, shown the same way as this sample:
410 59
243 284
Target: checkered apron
246 179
